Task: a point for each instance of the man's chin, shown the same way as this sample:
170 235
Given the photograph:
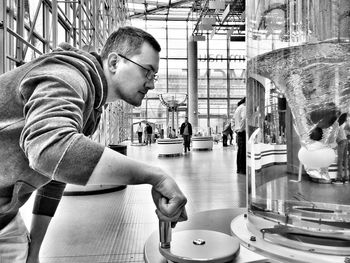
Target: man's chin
136 103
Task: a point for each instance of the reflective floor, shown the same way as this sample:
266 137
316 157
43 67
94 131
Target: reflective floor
113 227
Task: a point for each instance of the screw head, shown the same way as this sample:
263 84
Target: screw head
199 242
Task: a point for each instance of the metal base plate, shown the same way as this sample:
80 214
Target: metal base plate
217 247
276 251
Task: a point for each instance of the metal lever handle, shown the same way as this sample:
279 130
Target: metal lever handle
164 234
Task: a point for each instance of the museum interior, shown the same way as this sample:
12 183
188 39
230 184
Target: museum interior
290 59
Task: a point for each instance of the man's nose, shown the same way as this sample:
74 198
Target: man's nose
150 84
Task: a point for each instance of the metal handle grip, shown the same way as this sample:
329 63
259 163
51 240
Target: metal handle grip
165 234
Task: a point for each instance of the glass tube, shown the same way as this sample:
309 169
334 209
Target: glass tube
298 99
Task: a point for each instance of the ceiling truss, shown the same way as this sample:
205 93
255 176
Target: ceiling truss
208 16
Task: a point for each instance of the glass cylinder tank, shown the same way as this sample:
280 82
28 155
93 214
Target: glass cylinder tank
298 102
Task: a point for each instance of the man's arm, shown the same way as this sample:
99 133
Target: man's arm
46 202
39 226
115 168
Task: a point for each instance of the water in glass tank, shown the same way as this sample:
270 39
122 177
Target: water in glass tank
298 90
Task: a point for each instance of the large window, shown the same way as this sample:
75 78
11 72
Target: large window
38 26
221 75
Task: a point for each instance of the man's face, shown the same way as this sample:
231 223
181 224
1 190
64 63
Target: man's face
129 81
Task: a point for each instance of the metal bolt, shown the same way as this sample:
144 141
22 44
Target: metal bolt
199 241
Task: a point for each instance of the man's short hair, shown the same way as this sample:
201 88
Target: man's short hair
128 41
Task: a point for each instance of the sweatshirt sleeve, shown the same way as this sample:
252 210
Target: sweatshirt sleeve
52 137
48 198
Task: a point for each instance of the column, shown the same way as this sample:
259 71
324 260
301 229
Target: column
3 26
193 84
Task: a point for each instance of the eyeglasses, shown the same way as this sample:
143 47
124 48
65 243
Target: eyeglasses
150 74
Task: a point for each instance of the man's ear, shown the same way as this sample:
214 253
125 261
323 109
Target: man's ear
112 61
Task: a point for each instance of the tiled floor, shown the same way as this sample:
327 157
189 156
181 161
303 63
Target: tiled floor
113 227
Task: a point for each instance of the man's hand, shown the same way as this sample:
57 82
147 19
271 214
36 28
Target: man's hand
170 201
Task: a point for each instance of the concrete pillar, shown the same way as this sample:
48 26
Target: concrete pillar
3 26
293 144
193 84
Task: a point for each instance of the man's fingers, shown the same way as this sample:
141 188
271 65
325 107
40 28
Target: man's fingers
180 216
171 207
183 215
171 212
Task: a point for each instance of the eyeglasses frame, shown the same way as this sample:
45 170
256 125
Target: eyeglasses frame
149 71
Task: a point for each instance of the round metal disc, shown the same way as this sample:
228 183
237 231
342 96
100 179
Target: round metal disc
201 246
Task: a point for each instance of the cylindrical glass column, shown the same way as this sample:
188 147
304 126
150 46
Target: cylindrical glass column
298 99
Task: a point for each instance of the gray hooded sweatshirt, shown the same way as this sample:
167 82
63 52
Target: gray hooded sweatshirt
48 108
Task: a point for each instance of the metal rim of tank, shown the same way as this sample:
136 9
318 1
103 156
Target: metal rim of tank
251 239
309 239
334 216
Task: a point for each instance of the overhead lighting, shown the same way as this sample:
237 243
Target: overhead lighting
216 4
198 38
208 20
207 23
205 27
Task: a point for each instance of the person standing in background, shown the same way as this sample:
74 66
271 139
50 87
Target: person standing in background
240 130
139 132
225 133
186 132
342 150
231 134
149 131
347 133
169 130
